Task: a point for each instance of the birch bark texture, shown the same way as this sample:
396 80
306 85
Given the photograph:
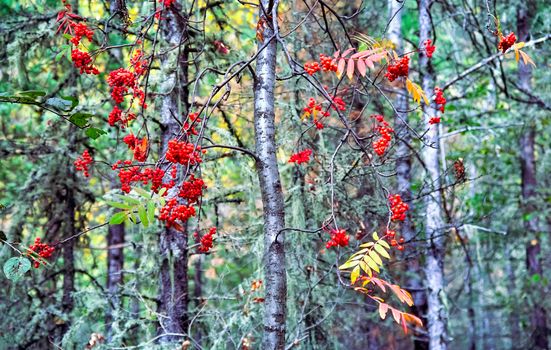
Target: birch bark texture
435 235
538 317
173 291
270 183
403 171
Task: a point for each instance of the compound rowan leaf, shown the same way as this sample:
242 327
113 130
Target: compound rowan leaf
396 314
372 264
118 205
375 236
376 258
345 53
526 58
151 211
362 68
383 243
143 216
340 67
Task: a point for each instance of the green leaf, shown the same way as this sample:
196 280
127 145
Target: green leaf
376 258
143 216
80 119
16 267
382 251
118 218
67 36
118 205
130 200
371 263
72 99
94 133
142 192
151 211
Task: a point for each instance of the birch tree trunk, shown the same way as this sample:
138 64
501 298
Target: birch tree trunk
538 317
403 171
270 183
115 261
434 265
173 294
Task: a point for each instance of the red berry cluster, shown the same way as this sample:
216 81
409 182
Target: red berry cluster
80 30
439 99
506 42
43 250
339 238
390 235
338 104
429 48
397 207
206 240
314 109
132 174
182 152
189 124
83 61
172 212
301 157
167 3
82 162
328 64
434 120
312 67
137 145
192 189
399 69
116 116
138 63
383 128
121 81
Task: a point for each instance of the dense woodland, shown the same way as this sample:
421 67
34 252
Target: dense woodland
265 174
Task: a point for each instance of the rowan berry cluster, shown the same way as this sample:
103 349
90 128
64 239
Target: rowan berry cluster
138 63
121 81
339 238
189 125
390 235
172 212
116 116
182 152
137 145
399 69
328 64
505 42
192 189
312 67
381 144
80 30
397 207
43 250
82 162
429 48
167 3
301 157
206 240
83 61
132 174
439 99
338 104
313 109
434 120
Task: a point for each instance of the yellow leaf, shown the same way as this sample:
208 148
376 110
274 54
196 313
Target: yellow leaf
371 263
368 244
381 251
526 58
375 236
355 274
348 264
364 267
376 258
383 243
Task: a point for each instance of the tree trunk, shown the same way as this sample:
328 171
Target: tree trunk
173 294
538 317
434 265
270 184
115 261
403 173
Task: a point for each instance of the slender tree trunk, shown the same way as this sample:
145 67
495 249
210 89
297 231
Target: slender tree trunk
538 317
403 173
270 184
115 261
174 243
434 266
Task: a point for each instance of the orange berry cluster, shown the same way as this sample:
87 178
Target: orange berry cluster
312 67
182 152
399 69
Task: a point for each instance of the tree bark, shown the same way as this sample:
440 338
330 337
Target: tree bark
270 183
538 317
436 242
115 262
173 293
403 173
